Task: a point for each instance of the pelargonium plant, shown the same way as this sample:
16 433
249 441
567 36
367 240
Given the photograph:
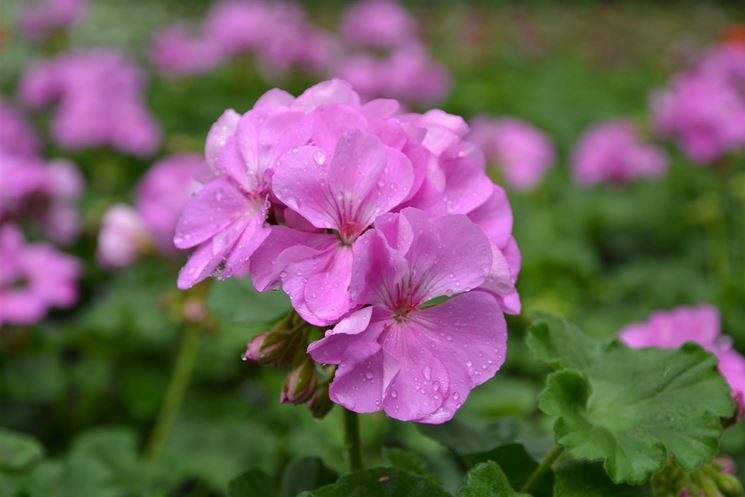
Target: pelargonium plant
395 250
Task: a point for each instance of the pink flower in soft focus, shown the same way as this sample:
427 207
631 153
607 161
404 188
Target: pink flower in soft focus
522 153
101 102
43 17
701 325
612 152
726 63
705 115
378 24
416 363
64 187
176 51
17 137
44 192
408 74
33 278
277 33
122 237
163 193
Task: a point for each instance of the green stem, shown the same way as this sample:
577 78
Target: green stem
175 393
538 473
352 440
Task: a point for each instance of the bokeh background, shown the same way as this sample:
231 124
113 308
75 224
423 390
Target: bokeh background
87 382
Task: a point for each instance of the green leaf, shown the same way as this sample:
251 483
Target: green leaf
487 480
18 451
306 473
407 461
235 300
380 482
471 436
254 483
517 465
634 407
584 479
560 343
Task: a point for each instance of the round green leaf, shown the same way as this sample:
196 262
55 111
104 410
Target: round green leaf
487 480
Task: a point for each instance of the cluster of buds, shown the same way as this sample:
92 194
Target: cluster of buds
708 480
285 345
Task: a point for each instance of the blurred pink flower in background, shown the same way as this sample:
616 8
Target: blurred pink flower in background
44 192
700 325
42 18
33 278
407 74
122 237
704 114
161 195
278 34
177 51
17 136
100 101
727 63
378 24
522 153
613 152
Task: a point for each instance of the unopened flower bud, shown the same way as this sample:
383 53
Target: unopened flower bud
300 384
320 404
267 348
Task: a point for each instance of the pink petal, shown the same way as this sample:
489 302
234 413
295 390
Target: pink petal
377 268
218 134
334 91
275 97
254 234
209 255
358 381
267 262
299 181
211 210
263 135
331 348
468 334
422 382
494 217
327 291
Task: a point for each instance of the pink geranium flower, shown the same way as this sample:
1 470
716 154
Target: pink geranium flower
378 24
613 152
42 18
122 237
522 153
101 101
701 325
33 278
704 114
17 136
225 221
176 51
45 192
416 362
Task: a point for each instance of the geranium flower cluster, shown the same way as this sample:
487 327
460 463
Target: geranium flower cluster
612 152
368 218
703 109
43 18
100 101
385 54
700 325
521 152
161 195
278 34
34 276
